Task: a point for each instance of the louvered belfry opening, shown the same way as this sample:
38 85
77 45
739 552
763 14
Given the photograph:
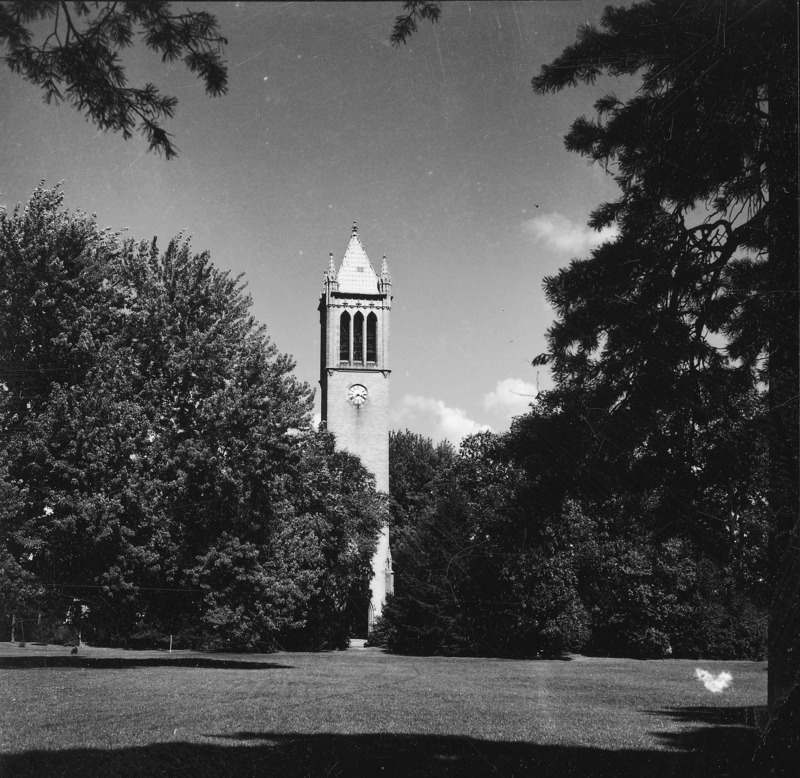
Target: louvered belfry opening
344 338
358 338
372 339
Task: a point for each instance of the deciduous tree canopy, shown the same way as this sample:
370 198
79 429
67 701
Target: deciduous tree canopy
560 536
158 456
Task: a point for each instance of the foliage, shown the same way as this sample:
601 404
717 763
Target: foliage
560 536
417 470
158 457
405 25
661 551
690 263
336 496
702 280
469 581
77 55
635 499
78 58
432 567
658 599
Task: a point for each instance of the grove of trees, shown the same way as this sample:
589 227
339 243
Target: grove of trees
664 467
549 539
159 473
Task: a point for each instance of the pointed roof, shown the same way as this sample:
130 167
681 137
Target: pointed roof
356 275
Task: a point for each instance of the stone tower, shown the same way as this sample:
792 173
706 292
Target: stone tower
354 310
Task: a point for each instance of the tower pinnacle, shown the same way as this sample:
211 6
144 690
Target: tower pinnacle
385 283
329 276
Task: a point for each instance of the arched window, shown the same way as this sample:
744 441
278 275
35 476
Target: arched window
358 337
372 338
344 337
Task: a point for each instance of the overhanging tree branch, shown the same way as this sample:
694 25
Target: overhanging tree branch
405 25
79 61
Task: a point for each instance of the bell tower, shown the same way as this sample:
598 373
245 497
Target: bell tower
354 310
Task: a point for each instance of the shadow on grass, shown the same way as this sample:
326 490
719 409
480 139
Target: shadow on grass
727 739
123 662
281 754
719 717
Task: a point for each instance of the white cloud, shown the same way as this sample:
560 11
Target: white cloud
560 233
511 397
435 419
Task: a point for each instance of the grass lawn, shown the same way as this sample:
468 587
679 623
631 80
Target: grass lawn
110 712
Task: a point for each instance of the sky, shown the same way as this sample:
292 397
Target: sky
440 150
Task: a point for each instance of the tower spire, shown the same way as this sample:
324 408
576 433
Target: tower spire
356 274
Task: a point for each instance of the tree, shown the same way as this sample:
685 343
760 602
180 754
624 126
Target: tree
77 58
158 456
417 468
433 572
706 159
224 412
335 496
476 574
52 303
609 504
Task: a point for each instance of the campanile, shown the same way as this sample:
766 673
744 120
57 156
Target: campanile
354 310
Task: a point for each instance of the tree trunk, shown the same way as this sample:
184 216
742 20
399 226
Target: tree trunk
784 363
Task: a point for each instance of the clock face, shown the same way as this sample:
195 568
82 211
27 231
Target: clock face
357 394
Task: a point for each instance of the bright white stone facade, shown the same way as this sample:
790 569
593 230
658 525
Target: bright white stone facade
354 313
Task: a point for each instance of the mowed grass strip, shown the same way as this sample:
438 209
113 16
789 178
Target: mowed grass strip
109 712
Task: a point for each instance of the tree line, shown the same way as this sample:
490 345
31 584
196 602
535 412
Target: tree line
557 536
